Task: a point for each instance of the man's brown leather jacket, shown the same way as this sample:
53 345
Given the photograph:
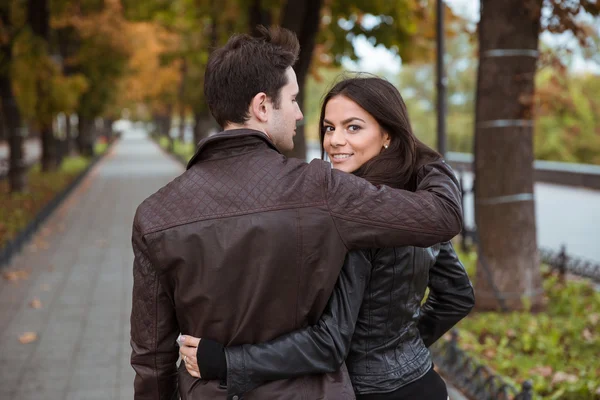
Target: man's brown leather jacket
247 245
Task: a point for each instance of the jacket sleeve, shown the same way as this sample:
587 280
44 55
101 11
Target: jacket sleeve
450 299
374 217
154 330
320 348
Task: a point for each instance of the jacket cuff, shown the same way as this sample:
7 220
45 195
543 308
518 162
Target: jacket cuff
237 381
211 360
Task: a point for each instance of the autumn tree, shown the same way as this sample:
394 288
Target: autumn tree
150 85
326 31
101 53
10 115
508 275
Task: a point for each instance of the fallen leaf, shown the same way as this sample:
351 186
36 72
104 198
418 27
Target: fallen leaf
544 371
563 377
511 333
28 337
35 303
594 318
587 335
490 353
15 275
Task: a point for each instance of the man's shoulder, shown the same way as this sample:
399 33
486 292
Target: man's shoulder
160 208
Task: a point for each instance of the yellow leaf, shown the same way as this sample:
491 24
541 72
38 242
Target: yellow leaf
16 275
36 303
28 337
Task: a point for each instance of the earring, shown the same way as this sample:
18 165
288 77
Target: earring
386 146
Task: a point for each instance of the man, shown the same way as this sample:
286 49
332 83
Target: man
248 244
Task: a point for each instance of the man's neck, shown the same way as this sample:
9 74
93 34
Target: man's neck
229 127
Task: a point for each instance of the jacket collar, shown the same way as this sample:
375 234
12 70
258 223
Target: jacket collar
231 138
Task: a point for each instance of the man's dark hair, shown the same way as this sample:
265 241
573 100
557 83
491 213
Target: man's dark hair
246 66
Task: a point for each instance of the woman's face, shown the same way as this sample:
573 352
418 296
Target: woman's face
351 135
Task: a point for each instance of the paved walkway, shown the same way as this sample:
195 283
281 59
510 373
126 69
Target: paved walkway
78 271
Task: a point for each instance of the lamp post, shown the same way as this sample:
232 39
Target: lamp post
441 80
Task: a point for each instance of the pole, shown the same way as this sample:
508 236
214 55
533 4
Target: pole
441 81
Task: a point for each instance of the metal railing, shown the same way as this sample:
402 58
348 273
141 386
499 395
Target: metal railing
558 260
472 377
560 173
563 263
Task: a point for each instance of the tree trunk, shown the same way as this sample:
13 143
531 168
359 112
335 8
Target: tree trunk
258 15
69 135
38 18
183 72
303 18
108 128
11 117
203 123
9 110
84 139
49 145
508 275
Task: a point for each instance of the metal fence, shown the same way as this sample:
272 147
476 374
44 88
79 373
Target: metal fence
472 377
564 264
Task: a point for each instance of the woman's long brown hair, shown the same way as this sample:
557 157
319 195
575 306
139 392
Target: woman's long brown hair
397 165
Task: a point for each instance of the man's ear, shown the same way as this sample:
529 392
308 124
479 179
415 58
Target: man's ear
259 107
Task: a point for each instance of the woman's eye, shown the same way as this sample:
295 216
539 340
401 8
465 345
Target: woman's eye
353 128
328 128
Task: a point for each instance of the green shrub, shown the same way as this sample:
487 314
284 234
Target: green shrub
558 349
18 209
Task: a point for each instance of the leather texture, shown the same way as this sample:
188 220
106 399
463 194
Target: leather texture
374 318
248 244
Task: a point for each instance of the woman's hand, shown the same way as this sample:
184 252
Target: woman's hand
188 348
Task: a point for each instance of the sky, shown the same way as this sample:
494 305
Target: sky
376 59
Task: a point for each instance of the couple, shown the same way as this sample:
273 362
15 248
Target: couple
293 266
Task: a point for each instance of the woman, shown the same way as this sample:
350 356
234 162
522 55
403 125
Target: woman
375 316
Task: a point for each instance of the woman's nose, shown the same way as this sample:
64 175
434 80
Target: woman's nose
337 138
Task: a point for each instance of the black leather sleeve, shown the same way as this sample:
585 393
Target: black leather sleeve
319 348
451 296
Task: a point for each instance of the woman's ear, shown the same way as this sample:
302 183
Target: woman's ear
259 107
386 139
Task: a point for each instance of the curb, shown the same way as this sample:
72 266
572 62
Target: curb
14 246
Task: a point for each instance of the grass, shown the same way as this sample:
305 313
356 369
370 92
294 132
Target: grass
182 149
557 349
17 210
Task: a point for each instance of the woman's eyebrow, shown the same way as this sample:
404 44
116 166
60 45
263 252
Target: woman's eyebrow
344 122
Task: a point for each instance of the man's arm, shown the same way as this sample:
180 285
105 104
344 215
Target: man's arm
373 217
450 299
154 330
316 349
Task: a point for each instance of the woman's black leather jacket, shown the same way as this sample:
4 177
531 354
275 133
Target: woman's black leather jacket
375 321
